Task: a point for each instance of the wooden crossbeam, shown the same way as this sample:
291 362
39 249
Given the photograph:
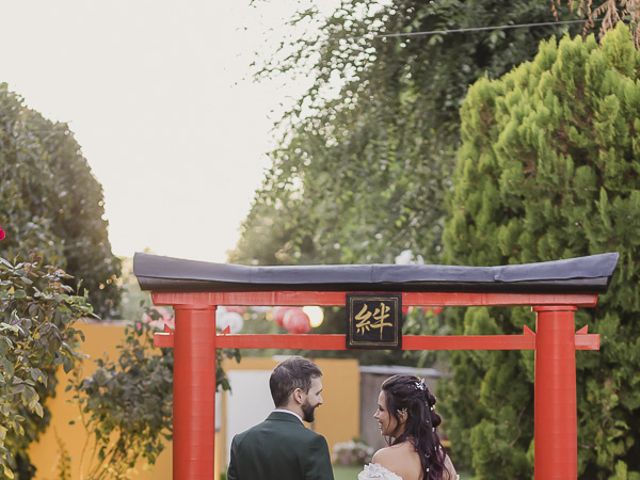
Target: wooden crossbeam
526 341
302 298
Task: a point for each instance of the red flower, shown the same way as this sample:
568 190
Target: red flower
2 234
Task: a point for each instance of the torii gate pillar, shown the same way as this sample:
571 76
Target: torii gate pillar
194 387
555 409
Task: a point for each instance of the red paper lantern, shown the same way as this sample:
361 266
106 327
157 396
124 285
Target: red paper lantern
278 315
296 321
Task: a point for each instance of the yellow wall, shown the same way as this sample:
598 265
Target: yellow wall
100 340
337 419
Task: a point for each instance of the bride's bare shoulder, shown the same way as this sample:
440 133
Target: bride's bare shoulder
400 459
380 455
387 453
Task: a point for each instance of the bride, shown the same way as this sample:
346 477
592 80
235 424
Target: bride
406 415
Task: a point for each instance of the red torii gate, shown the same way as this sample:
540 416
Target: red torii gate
553 289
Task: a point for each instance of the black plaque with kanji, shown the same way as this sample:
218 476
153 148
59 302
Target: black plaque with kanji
374 321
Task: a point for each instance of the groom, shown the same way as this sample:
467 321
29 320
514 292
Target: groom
281 447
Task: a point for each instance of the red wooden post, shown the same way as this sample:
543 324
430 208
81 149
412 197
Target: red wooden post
194 383
555 408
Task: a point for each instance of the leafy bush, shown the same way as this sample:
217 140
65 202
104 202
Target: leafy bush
127 403
37 314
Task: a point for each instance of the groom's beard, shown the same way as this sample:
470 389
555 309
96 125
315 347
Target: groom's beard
308 412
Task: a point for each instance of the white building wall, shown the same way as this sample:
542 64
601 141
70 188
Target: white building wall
249 403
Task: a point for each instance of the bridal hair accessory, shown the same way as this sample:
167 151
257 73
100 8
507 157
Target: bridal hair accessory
420 386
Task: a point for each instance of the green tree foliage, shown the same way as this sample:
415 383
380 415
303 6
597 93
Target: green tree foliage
50 202
549 168
363 168
37 314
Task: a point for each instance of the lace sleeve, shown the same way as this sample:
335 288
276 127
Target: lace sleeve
373 471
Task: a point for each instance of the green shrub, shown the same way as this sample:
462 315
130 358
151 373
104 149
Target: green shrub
549 168
37 335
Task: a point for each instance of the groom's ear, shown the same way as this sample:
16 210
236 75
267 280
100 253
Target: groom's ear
298 396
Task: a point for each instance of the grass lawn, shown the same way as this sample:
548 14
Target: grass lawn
341 472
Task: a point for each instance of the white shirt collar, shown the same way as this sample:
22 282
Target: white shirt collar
284 410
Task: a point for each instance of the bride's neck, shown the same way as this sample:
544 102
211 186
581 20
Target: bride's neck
400 438
401 429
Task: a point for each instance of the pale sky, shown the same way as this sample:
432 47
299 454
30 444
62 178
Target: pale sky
160 96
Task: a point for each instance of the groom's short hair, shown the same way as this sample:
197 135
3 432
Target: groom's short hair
294 372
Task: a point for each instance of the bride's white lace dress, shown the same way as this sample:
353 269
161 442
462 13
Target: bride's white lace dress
377 472
373 471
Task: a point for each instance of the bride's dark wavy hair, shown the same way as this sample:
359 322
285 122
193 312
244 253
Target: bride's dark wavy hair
411 393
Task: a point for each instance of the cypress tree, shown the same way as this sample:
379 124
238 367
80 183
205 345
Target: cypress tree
549 168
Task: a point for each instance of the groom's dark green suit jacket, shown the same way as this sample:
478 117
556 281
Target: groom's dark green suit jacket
280 448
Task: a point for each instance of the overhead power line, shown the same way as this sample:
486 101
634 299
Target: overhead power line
480 29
